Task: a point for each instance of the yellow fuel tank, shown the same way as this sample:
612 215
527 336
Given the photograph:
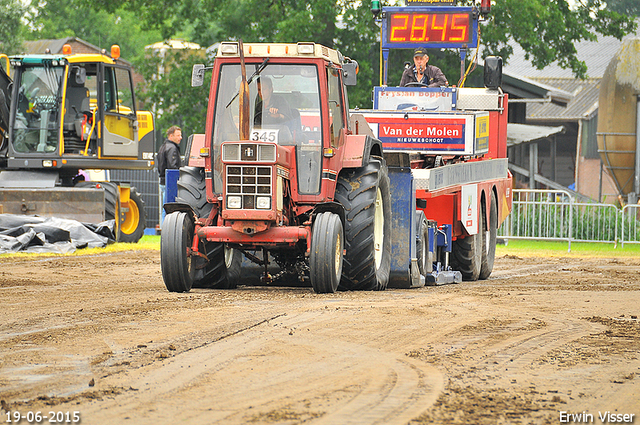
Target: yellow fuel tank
618 114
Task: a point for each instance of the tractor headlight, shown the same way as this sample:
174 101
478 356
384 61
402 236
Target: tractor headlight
306 48
234 202
229 48
263 202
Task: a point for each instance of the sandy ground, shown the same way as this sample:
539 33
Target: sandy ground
541 340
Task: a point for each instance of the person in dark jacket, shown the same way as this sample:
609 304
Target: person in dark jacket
168 159
421 72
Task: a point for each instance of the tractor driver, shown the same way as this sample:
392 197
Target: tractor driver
422 74
270 109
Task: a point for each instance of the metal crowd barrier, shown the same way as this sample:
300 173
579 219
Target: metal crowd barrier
630 229
555 215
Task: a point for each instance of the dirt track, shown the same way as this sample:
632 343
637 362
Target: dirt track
100 335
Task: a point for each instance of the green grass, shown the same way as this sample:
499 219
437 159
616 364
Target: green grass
529 248
146 242
521 248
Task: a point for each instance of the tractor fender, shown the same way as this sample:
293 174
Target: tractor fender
334 207
358 149
182 207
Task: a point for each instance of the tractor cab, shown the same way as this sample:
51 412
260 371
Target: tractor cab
281 98
295 100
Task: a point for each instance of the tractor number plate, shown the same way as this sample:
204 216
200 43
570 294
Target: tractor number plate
264 135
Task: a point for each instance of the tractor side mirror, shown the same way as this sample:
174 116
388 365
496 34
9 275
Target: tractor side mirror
349 72
492 72
197 75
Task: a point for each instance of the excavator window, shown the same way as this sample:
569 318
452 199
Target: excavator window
120 132
37 119
77 110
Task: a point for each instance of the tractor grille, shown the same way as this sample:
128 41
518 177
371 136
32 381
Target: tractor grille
249 183
248 152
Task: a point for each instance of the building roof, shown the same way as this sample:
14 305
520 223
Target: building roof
582 105
522 79
38 47
523 87
519 133
595 54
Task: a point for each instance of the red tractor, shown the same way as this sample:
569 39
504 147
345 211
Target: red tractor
283 174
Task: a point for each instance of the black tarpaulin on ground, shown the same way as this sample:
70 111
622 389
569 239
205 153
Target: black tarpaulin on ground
20 233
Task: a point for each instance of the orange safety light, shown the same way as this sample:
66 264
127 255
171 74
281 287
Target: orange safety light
115 51
66 49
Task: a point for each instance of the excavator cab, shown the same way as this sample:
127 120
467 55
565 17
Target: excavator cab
63 113
80 107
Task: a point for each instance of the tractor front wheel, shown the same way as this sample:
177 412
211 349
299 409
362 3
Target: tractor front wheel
178 266
325 262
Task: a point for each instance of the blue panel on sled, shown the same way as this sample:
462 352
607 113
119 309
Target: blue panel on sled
171 180
403 241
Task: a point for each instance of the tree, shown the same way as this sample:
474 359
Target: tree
547 30
11 29
74 18
171 97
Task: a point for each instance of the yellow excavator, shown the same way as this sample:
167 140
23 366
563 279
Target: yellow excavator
60 115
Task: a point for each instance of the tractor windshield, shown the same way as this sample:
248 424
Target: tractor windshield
284 108
36 125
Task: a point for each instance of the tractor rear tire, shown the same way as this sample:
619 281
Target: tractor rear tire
223 269
192 190
178 267
132 227
364 194
325 261
489 239
466 256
